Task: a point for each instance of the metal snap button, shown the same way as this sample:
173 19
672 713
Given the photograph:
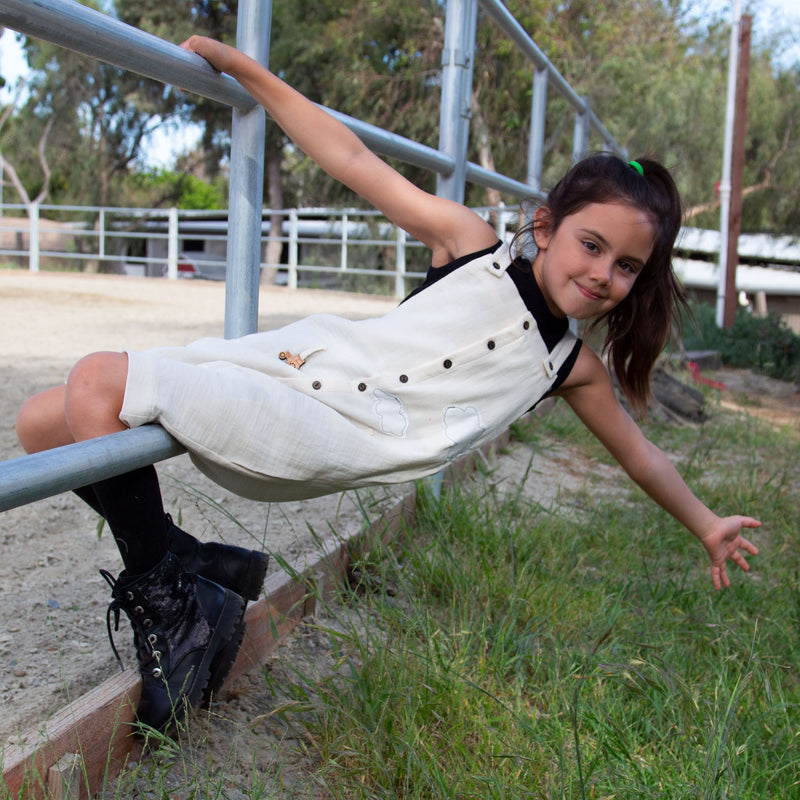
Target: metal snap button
526 325
362 387
447 363
316 385
496 265
404 379
490 344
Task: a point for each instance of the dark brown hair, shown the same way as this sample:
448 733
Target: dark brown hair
638 328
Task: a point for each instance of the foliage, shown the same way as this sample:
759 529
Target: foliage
764 344
655 73
101 115
509 651
181 189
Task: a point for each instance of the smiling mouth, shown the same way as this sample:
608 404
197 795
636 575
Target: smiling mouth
589 294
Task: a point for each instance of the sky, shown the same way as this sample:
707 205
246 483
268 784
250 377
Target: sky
164 145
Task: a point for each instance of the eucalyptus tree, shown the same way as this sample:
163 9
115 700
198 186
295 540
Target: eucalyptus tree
100 115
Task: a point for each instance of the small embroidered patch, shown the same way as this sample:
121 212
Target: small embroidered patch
463 427
291 360
390 411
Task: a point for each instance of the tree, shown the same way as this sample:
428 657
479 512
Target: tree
101 115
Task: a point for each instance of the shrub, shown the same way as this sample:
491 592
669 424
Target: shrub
764 344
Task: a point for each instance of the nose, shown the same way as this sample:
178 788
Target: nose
601 272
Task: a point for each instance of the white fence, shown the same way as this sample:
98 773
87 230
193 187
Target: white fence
319 244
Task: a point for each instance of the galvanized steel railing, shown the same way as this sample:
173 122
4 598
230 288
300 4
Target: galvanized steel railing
79 28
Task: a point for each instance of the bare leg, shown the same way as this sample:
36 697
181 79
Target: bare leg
42 422
187 630
94 393
87 406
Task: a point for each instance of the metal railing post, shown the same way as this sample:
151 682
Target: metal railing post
246 198
456 109
580 141
343 253
101 234
172 243
536 140
293 248
400 263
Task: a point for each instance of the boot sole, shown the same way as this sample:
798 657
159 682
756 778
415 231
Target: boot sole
223 660
222 649
226 657
256 574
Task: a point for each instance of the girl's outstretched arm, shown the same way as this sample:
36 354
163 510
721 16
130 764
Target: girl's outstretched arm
448 228
589 393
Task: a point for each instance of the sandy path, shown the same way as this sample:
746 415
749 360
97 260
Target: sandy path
52 638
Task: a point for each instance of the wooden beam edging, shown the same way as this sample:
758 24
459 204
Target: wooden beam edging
96 725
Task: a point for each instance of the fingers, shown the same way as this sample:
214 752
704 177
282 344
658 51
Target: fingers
745 544
738 548
749 522
715 577
740 561
719 577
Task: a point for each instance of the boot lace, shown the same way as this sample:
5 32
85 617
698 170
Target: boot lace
145 645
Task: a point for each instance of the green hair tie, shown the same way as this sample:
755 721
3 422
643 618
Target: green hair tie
637 166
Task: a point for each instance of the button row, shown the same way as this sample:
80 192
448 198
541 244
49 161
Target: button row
447 363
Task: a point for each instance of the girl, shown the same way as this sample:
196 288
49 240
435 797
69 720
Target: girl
327 404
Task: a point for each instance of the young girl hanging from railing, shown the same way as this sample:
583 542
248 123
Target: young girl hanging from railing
327 404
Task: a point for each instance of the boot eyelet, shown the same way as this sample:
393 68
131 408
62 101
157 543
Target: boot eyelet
157 655
129 596
148 623
138 610
157 672
152 638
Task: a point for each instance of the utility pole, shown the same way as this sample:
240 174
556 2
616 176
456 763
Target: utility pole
730 189
737 170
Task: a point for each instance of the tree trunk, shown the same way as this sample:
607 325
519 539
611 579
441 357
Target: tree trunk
272 255
485 157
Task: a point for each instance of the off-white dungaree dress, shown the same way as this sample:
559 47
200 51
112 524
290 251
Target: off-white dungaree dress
375 401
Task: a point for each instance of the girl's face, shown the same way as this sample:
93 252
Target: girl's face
591 261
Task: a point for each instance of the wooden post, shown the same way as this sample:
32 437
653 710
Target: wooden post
64 778
737 169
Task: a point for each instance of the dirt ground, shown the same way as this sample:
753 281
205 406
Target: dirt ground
52 640
53 644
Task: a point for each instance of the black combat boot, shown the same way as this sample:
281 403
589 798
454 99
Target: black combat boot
236 568
187 631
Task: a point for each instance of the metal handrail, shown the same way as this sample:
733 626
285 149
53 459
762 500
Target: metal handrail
84 30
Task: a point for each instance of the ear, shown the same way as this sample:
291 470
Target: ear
542 227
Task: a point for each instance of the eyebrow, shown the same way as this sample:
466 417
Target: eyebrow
604 241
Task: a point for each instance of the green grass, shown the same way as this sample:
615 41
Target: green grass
512 654
498 650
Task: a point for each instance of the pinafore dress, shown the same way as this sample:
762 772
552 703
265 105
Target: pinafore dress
327 404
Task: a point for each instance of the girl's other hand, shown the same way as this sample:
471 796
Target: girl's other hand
220 56
724 541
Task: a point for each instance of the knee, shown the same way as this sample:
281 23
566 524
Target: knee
95 390
31 424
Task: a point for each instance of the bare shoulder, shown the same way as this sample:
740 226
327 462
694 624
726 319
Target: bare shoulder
587 370
459 232
588 390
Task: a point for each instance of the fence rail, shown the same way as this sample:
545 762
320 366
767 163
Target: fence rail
180 243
